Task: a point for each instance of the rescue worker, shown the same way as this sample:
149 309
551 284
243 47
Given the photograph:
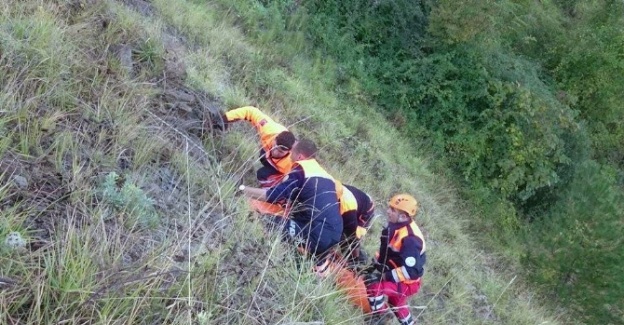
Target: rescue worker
399 266
275 140
315 223
356 208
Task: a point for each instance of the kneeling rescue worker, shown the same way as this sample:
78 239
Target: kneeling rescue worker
397 270
315 220
357 210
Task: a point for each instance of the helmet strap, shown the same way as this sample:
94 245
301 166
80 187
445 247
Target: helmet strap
404 216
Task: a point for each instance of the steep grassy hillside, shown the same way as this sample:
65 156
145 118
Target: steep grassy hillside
125 199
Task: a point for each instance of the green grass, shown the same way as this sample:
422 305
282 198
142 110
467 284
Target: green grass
72 114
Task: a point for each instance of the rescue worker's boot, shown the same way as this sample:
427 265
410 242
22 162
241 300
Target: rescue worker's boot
409 320
380 313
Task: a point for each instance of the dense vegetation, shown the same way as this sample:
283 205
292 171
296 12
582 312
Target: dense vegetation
521 100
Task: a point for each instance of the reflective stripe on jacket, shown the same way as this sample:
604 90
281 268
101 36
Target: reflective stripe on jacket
356 209
320 194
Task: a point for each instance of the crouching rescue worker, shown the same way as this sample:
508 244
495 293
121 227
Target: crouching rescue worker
357 209
315 224
275 139
399 266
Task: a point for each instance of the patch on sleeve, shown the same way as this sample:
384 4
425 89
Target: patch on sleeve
410 261
263 122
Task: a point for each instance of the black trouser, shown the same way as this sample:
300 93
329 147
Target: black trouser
267 175
317 243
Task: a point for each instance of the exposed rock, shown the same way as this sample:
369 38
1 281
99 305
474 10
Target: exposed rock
20 181
124 54
142 6
185 107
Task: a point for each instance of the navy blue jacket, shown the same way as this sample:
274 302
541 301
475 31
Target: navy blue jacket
402 252
313 194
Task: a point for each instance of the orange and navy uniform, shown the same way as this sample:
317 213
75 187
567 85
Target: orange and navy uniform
315 216
402 253
400 259
356 208
267 129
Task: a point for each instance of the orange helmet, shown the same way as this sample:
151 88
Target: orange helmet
404 202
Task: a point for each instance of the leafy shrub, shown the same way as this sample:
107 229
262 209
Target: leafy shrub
495 122
488 111
579 44
373 42
129 199
577 251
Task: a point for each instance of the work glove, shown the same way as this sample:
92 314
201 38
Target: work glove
360 232
241 189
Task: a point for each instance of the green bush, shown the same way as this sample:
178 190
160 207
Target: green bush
489 112
494 121
127 198
374 42
580 45
576 252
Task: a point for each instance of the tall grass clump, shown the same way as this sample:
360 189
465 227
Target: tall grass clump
128 198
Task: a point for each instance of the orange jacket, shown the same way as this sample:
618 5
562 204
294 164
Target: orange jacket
267 129
356 210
